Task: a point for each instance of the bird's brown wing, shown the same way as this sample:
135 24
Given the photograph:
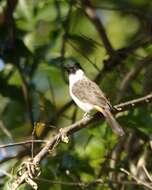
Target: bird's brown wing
88 91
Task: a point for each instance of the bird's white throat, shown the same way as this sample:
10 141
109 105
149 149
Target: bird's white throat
74 77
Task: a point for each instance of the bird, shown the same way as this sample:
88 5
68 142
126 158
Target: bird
88 96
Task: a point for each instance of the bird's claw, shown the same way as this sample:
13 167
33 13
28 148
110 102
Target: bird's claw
86 115
64 136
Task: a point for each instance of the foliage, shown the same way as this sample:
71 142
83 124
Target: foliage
37 39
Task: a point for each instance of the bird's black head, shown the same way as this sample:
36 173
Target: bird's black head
73 68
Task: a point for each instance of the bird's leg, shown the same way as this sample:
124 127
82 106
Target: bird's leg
86 115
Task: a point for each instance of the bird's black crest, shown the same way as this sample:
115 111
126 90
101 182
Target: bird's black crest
73 68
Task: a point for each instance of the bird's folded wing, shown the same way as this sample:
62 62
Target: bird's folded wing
88 92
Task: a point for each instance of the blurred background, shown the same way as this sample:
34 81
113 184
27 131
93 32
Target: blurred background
112 41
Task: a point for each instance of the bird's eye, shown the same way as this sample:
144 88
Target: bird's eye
72 70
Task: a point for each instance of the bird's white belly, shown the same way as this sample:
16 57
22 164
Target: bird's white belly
84 106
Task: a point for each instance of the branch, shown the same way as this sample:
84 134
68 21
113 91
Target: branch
69 130
91 14
66 31
92 183
132 74
26 93
79 183
134 103
19 155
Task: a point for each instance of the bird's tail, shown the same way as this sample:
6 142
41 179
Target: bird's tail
111 121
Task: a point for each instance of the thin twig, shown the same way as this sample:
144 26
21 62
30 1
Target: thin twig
86 184
22 143
82 54
5 130
66 28
20 154
26 93
91 14
135 102
6 173
80 184
33 140
147 173
66 32
143 183
133 73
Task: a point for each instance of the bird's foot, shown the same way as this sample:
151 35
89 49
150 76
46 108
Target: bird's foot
86 115
64 136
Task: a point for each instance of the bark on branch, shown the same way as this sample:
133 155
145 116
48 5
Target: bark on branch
90 11
69 130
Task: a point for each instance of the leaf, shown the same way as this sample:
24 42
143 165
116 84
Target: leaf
84 44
